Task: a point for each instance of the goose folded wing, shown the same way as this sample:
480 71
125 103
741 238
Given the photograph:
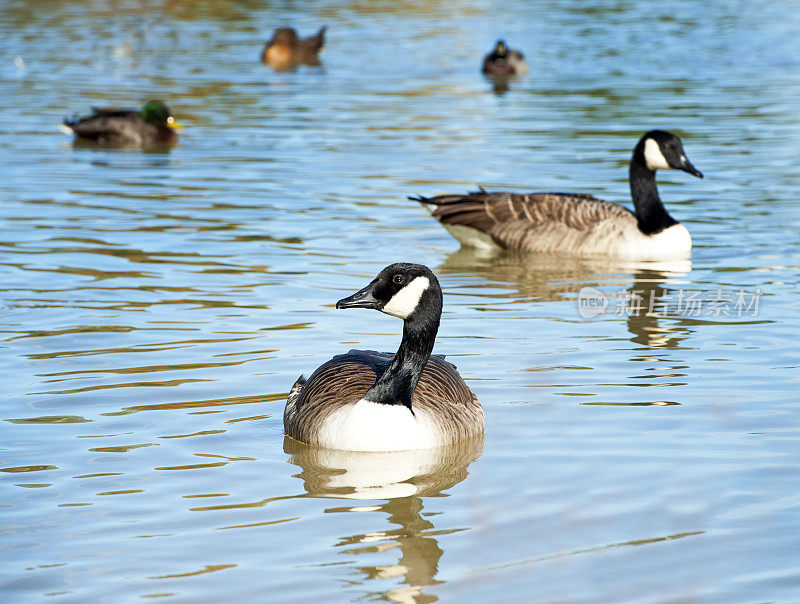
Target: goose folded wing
511 218
443 394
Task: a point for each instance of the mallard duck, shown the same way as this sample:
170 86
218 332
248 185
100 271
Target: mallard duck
152 125
285 50
575 224
504 62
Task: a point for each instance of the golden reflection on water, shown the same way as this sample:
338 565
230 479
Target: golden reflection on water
402 479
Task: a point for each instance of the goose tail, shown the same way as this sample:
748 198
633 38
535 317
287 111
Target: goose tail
430 203
296 388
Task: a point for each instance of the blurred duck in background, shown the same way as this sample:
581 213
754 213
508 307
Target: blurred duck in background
286 50
152 125
503 62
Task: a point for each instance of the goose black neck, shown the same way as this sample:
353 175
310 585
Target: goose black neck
397 384
650 212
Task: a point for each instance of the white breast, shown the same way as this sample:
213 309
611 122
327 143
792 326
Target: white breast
630 243
368 426
672 242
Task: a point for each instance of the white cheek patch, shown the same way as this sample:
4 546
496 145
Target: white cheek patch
404 302
653 156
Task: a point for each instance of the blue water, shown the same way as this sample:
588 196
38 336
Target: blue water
157 307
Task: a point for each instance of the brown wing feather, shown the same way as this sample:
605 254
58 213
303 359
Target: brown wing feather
444 395
346 378
531 221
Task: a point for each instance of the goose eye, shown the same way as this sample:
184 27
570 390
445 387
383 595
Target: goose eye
398 279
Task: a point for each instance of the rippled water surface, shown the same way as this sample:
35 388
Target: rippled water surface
157 306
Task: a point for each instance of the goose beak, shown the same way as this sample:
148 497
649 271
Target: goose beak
363 298
687 166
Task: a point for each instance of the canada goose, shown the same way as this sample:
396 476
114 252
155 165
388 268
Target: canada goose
504 62
372 401
568 223
285 50
152 125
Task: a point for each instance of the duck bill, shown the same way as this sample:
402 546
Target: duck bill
363 298
174 124
687 166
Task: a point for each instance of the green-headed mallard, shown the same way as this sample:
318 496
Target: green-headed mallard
152 125
285 50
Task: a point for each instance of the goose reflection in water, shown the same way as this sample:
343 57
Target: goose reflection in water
642 293
649 304
638 286
546 277
402 479
657 339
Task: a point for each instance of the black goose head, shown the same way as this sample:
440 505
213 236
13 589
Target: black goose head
661 150
407 291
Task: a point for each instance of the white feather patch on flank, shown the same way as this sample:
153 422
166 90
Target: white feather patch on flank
368 426
405 301
653 156
471 237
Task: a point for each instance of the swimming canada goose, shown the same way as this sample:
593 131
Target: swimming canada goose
372 401
285 50
152 125
504 62
567 223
